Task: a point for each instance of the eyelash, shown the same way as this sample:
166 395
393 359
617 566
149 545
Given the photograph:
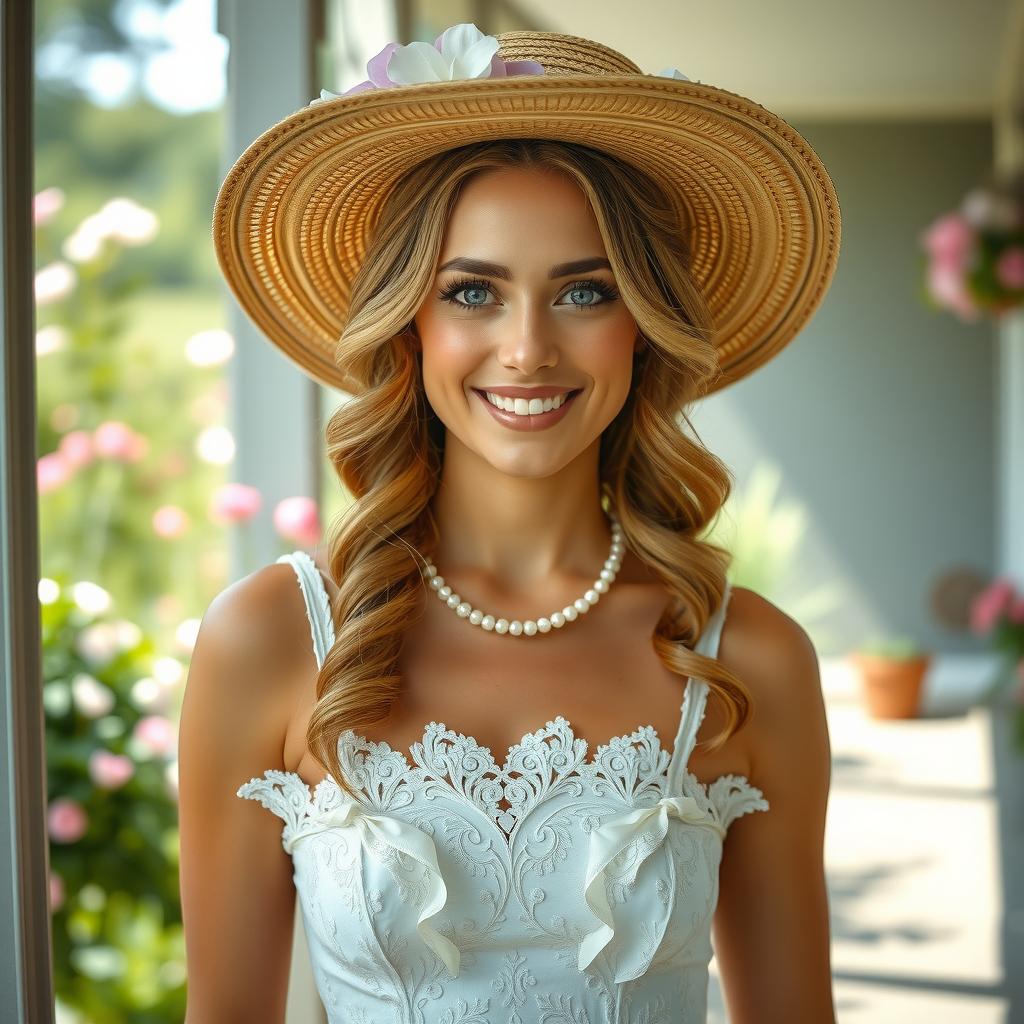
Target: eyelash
606 291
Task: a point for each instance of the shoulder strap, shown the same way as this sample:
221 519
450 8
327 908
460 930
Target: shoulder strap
695 696
318 602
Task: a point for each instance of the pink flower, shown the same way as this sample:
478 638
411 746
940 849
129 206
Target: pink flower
948 287
235 503
155 734
66 820
460 52
117 440
990 604
77 448
170 521
949 240
1010 267
110 771
46 204
52 472
297 519
56 892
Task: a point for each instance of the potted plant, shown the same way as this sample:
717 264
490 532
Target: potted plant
891 671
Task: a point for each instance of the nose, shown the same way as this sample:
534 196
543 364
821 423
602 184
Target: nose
528 340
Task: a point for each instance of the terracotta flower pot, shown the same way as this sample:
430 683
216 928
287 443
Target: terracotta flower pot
891 687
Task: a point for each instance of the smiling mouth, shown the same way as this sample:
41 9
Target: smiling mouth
566 398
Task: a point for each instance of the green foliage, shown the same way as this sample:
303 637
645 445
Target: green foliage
894 648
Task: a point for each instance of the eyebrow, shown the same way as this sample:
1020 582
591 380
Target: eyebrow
489 269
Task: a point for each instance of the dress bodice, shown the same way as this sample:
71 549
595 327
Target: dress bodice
589 898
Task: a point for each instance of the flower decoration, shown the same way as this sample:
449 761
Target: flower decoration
975 254
460 52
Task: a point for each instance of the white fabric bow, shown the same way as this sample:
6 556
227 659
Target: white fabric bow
381 835
616 834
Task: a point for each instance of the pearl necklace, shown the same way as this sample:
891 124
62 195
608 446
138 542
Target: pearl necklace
531 627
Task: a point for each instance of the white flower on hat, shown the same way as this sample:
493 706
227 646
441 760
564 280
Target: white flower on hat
460 52
673 73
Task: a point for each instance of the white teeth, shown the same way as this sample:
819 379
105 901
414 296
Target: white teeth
526 407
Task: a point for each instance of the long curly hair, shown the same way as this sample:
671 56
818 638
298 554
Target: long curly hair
387 444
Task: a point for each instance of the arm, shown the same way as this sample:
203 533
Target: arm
771 926
238 898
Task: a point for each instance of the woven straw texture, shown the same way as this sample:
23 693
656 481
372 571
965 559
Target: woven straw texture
293 215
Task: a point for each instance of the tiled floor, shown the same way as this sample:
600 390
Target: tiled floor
916 851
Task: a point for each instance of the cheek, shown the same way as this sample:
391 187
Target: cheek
450 351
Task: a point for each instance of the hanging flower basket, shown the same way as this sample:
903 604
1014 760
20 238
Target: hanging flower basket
974 264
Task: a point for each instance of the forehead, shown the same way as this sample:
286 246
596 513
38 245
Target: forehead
521 213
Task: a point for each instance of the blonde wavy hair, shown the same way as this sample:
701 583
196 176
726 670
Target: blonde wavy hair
387 445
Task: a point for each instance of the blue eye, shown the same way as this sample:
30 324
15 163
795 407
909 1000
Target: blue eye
581 294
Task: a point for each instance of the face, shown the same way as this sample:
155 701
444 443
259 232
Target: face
525 302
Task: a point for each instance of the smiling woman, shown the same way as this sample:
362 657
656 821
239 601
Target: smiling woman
526 317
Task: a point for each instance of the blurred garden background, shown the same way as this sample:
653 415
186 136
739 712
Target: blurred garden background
878 484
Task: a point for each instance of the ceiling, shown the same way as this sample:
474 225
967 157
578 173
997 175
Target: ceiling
818 59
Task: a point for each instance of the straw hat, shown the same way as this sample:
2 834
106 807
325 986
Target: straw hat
292 218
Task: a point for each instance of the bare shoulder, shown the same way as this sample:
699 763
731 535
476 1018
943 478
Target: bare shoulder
238 898
771 927
773 655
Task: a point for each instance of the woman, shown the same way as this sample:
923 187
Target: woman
531 280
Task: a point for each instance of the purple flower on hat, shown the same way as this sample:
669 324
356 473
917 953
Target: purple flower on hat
460 52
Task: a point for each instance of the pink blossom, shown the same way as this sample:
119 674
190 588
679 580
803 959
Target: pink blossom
1010 267
116 440
56 892
52 472
297 519
110 771
170 521
949 240
156 735
66 820
990 604
948 287
77 448
46 204
235 503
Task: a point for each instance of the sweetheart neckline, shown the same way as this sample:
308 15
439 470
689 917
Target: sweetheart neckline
381 748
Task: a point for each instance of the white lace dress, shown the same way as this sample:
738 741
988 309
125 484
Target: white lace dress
588 901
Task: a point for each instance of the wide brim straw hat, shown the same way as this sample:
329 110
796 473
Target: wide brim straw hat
294 215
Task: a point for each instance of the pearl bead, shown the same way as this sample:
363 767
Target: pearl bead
501 626
530 627
431 570
437 582
607 575
581 604
601 586
570 613
463 610
515 627
557 620
476 616
487 622
445 592
592 596
454 601
544 625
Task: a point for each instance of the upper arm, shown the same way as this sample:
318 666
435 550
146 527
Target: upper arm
238 898
771 930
